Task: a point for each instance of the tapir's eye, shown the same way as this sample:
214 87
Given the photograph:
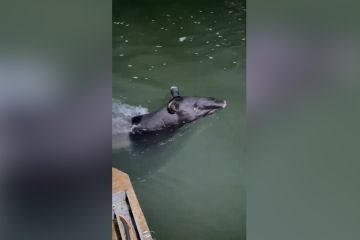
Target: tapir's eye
172 107
196 107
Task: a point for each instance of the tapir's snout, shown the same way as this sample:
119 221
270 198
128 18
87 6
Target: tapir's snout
212 104
219 104
208 106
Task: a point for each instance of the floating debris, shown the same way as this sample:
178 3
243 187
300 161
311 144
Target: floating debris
135 77
129 65
197 54
217 45
243 39
217 33
207 42
210 57
126 41
181 39
121 54
210 29
234 62
127 25
159 46
164 64
117 23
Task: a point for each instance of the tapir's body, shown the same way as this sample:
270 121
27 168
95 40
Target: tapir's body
179 111
156 127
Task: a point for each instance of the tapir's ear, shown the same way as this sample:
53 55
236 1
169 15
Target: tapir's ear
174 91
172 107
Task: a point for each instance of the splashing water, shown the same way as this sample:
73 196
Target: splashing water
122 114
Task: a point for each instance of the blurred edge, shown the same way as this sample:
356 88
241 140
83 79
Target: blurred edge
302 117
302 100
55 119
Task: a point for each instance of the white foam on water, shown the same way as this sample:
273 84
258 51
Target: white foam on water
181 39
121 123
122 114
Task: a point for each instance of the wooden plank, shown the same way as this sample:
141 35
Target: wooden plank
121 182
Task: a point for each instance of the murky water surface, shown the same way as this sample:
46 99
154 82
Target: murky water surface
190 186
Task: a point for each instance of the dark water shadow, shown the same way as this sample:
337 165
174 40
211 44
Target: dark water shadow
151 151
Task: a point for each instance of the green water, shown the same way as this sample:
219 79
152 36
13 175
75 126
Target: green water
193 187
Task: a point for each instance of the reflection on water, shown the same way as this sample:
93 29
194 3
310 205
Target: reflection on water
190 184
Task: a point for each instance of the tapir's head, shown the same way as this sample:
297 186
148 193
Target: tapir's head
188 109
178 111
